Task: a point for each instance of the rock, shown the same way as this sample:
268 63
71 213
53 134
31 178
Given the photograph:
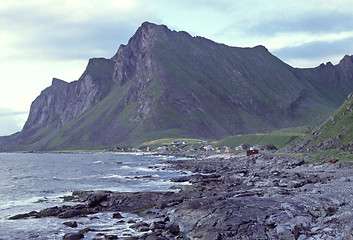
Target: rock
308 201
72 224
327 229
154 236
174 228
96 198
302 237
157 225
140 227
54 211
111 237
73 236
72 213
25 215
180 179
285 233
348 232
298 163
117 215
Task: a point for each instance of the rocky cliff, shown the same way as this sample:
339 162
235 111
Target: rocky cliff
165 83
60 103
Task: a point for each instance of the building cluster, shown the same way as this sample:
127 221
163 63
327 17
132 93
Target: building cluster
200 146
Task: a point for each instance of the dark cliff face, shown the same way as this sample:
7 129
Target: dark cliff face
62 102
165 83
334 81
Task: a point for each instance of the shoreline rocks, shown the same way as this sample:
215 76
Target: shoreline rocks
262 197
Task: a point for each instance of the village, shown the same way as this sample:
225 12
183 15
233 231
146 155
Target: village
200 147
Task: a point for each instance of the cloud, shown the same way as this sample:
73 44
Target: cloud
316 50
305 22
68 30
11 121
7 113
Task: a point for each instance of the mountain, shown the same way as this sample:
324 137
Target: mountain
165 83
334 135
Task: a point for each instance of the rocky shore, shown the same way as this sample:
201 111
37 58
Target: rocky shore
262 197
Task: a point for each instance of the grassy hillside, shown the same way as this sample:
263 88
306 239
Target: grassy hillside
167 141
333 138
339 125
280 138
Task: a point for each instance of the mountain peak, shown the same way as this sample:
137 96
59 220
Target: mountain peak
148 32
149 25
57 82
143 38
346 60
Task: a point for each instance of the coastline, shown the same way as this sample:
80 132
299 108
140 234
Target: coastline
257 197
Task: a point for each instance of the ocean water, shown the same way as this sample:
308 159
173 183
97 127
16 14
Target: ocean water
32 182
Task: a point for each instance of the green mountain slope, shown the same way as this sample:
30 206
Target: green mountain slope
334 135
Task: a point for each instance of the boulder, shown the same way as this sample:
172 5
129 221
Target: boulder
174 228
72 224
72 213
117 215
73 236
96 198
53 211
25 215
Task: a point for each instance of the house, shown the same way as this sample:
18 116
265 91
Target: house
191 149
219 150
228 150
241 147
145 148
208 147
252 152
257 147
164 147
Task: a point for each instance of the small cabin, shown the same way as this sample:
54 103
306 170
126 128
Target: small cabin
228 150
252 152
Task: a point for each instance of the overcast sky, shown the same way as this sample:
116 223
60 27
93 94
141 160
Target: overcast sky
42 39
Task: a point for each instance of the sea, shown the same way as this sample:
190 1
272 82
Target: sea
34 181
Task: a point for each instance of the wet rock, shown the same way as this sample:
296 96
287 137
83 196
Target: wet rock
285 233
72 224
271 197
72 213
174 228
140 227
25 215
154 236
54 211
95 199
117 215
110 237
73 236
157 225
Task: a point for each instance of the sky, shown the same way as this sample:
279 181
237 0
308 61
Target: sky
43 39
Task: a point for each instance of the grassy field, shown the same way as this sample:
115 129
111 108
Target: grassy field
168 141
280 138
